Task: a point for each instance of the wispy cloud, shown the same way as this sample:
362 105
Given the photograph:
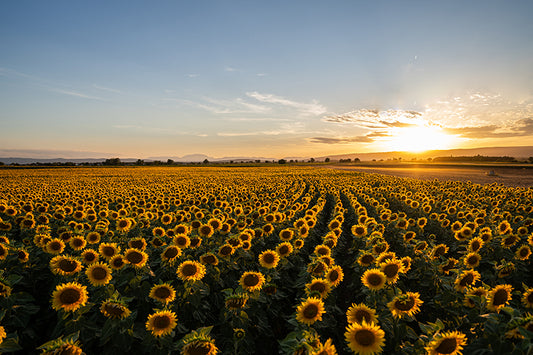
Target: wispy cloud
103 88
230 69
313 108
76 94
341 140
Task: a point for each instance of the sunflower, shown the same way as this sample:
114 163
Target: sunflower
23 256
504 228
199 342
359 313
115 309
196 242
65 265
252 281
284 249
117 262
171 253
158 232
286 234
108 250
3 334
480 292
366 259
310 311
299 243
509 240
448 265
99 274
450 343
182 241
466 279
161 323
335 275
163 293
166 219
364 338
322 250
55 246
5 290
61 346
206 230
138 243
438 250
527 298
374 279
324 349
318 287
523 252
69 296
136 257
406 304
471 260
191 271
209 259
359 230
498 297
225 250
391 269
269 259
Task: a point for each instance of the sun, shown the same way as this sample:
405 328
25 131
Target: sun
418 139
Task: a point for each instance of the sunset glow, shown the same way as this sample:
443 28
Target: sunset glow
419 139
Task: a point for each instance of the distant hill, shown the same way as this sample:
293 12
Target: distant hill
522 152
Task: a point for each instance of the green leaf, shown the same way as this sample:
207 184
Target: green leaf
9 345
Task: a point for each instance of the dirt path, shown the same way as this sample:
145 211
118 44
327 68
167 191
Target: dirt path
516 177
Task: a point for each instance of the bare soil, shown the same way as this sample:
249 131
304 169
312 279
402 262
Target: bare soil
508 176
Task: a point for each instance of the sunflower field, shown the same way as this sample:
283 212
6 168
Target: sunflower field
261 260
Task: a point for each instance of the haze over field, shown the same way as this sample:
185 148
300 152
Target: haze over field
263 79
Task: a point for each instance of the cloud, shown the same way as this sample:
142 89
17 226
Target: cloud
230 69
76 94
341 140
243 134
103 88
474 115
313 108
157 130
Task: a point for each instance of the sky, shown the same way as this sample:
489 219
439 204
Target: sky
141 79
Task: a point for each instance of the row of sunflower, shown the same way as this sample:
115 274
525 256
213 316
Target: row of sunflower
261 260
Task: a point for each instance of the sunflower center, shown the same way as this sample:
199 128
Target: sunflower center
467 280
118 262
530 297
374 279
251 280
99 273
405 305
269 258
162 292
391 270
319 286
310 311
226 250
367 259
89 257
55 246
364 337
134 257
114 309
284 250
362 315
161 322
137 244
524 252
108 251
447 346
472 260
198 348
181 240
359 230
67 265
69 296
475 246
189 269
209 259
500 297
171 253
333 275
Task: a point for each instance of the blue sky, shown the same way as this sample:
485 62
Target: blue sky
251 78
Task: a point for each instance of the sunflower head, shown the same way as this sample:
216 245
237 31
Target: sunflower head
199 342
446 343
135 257
365 338
163 293
69 296
99 274
374 279
499 297
161 323
405 304
115 308
252 281
359 313
68 345
236 301
269 259
191 271
310 311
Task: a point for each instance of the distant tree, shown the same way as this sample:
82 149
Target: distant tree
326 160
139 162
312 160
258 161
530 159
170 161
282 161
112 161
206 161
356 160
